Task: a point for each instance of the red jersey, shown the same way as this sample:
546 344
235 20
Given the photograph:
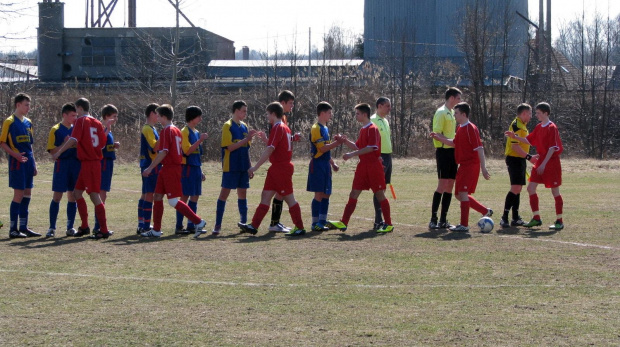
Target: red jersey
280 139
466 141
369 137
545 137
170 141
90 137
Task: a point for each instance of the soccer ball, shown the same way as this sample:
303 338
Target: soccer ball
486 225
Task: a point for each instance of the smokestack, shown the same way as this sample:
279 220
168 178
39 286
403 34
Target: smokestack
132 13
50 40
246 52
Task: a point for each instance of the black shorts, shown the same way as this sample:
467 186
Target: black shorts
446 164
387 167
516 170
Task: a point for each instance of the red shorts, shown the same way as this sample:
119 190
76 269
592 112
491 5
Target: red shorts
467 178
89 178
552 177
280 178
369 175
169 181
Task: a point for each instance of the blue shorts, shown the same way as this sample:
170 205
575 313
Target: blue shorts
191 180
319 177
66 172
235 180
149 183
21 175
107 170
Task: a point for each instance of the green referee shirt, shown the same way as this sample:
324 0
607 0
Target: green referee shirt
386 133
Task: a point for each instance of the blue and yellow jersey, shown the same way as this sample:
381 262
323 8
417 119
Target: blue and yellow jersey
17 134
239 159
188 138
148 141
109 152
520 129
56 138
319 137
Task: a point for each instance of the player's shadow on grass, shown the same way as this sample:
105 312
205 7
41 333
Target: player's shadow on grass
369 234
508 231
43 242
535 233
135 239
455 236
257 238
432 234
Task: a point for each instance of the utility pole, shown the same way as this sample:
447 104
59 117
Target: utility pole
175 61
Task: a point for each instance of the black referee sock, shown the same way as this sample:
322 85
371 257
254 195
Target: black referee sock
515 206
445 206
435 206
508 204
378 211
276 212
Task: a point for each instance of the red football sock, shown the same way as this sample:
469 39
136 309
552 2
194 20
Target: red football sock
348 211
295 212
559 205
473 203
100 214
534 205
385 208
158 213
261 212
464 213
83 211
187 212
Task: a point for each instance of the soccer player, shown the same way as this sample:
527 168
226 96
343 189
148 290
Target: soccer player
279 179
236 142
66 170
384 106
109 115
445 124
547 169
321 165
286 98
170 155
148 143
90 136
516 155
191 173
16 140
369 173
469 155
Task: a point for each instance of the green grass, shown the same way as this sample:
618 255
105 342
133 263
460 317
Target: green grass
410 287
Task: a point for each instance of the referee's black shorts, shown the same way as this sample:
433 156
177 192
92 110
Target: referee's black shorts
516 170
446 164
387 167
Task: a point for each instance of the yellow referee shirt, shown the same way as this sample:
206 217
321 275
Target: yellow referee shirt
444 123
386 133
520 129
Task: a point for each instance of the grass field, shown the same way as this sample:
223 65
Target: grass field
410 287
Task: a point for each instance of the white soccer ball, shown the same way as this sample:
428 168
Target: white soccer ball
486 225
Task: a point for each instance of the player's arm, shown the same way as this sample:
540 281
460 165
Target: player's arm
335 166
160 156
359 152
263 158
195 145
3 143
441 138
541 167
512 135
239 144
348 143
483 164
68 144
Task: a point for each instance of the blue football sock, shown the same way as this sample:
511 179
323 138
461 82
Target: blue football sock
193 205
179 220
323 210
71 212
243 210
97 226
54 208
147 212
14 214
140 214
23 213
219 212
315 206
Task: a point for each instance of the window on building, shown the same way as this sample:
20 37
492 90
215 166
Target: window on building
99 51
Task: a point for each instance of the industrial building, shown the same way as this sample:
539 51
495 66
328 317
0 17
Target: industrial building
121 53
427 30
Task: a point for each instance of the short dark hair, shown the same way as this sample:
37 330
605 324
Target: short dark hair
286 96
452 91
381 100
544 107
463 107
276 108
523 107
83 103
108 110
68 107
322 107
364 108
165 110
237 105
20 97
192 112
150 108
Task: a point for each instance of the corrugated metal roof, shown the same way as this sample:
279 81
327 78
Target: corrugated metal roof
31 70
284 63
